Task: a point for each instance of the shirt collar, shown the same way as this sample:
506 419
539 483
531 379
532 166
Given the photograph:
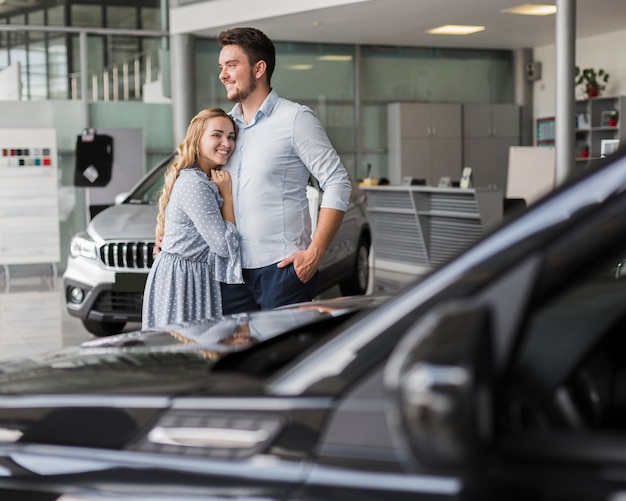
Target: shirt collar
266 108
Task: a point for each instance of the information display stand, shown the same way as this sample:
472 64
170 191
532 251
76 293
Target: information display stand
29 206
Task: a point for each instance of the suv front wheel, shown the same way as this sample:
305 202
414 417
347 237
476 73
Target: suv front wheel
102 329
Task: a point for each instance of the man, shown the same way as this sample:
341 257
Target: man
280 144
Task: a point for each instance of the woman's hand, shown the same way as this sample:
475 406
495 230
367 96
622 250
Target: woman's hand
223 181
224 184
157 245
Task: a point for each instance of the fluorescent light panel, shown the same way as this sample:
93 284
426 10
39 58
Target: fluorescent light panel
456 29
299 67
532 9
335 57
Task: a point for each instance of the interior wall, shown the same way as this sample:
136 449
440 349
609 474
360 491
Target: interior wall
598 52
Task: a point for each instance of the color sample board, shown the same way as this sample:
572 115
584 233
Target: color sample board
29 206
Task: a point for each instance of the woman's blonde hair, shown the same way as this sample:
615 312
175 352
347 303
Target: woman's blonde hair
187 156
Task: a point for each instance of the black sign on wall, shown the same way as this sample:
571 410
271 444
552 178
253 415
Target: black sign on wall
94 159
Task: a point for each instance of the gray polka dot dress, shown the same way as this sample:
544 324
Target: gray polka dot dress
198 251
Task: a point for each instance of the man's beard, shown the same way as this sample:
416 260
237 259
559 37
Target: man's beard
243 94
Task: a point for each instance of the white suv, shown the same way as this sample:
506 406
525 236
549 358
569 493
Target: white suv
109 261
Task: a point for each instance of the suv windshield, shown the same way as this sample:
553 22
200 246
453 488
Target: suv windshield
149 189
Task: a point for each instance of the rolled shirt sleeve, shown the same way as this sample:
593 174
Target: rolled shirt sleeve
312 145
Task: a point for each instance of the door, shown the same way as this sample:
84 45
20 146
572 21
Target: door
477 120
505 120
561 410
356 458
489 130
446 149
500 165
446 159
477 154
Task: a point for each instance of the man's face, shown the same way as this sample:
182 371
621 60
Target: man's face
236 73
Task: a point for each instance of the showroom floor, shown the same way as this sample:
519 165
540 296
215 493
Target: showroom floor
33 318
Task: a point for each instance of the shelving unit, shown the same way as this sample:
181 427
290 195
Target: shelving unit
591 126
417 228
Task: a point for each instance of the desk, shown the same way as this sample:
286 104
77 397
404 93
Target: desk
418 228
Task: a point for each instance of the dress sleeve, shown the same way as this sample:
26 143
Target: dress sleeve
228 269
203 208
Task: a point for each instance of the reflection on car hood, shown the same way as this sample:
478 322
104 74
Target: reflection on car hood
172 359
125 221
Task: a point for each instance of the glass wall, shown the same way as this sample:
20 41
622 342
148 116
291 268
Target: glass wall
48 59
394 74
322 76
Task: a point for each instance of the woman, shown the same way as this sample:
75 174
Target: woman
200 244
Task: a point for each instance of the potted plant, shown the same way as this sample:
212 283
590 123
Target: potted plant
585 152
613 118
593 80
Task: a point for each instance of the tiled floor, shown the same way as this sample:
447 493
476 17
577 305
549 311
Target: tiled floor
33 318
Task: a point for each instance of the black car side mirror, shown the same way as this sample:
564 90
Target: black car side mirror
439 384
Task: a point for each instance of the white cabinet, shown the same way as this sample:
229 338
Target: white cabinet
29 213
424 141
489 130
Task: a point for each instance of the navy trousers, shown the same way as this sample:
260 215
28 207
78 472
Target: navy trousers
266 288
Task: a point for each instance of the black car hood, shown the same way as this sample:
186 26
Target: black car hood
176 359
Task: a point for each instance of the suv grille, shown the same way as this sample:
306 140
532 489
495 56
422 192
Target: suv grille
127 255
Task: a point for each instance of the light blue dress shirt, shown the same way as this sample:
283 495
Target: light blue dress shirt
274 157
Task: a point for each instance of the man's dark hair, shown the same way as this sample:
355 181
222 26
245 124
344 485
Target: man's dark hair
256 45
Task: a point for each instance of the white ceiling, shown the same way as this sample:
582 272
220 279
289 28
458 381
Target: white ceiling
404 22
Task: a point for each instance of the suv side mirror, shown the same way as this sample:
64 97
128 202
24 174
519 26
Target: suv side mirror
120 197
439 383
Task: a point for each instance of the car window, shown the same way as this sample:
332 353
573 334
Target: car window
569 372
148 190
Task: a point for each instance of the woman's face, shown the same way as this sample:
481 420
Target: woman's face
216 143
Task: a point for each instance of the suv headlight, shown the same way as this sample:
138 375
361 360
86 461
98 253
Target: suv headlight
83 245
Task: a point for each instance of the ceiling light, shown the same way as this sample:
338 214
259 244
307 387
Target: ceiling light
335 58
532 9
456 29
299 67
